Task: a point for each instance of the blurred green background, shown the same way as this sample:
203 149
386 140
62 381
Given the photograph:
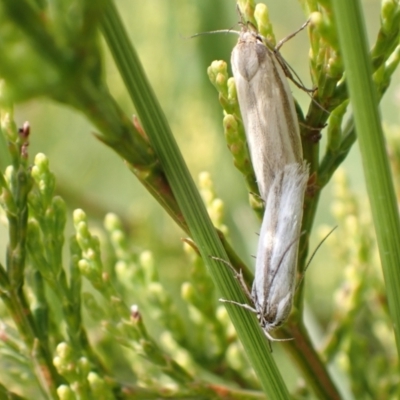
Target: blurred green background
92 177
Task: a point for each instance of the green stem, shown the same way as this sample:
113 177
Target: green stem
201 228
363 94
308 360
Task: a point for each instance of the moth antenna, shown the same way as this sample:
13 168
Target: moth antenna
213 32
241 16
317 248
285 252
312 256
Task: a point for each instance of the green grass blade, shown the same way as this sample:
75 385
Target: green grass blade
364 100
201 228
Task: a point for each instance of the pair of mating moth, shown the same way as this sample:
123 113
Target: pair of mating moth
273 137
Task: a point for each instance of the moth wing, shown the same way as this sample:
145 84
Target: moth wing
276 262
267 109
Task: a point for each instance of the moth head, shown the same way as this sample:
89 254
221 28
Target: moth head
267 327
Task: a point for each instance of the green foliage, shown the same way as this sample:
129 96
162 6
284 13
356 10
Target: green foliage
361 323
96 320
78 367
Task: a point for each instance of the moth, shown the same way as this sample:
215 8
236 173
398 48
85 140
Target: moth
267 107
276 261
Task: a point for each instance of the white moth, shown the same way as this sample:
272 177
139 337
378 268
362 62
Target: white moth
275 276
267 108
273 136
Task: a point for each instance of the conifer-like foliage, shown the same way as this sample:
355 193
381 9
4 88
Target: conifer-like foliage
87 315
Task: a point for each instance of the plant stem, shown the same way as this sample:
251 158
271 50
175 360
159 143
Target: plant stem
201 229
364 97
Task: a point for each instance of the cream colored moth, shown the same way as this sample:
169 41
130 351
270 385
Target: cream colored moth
273 136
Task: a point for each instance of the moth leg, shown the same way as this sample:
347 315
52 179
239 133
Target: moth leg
286 68
289 72
254 311
245 306
272 339
238 276
285 39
